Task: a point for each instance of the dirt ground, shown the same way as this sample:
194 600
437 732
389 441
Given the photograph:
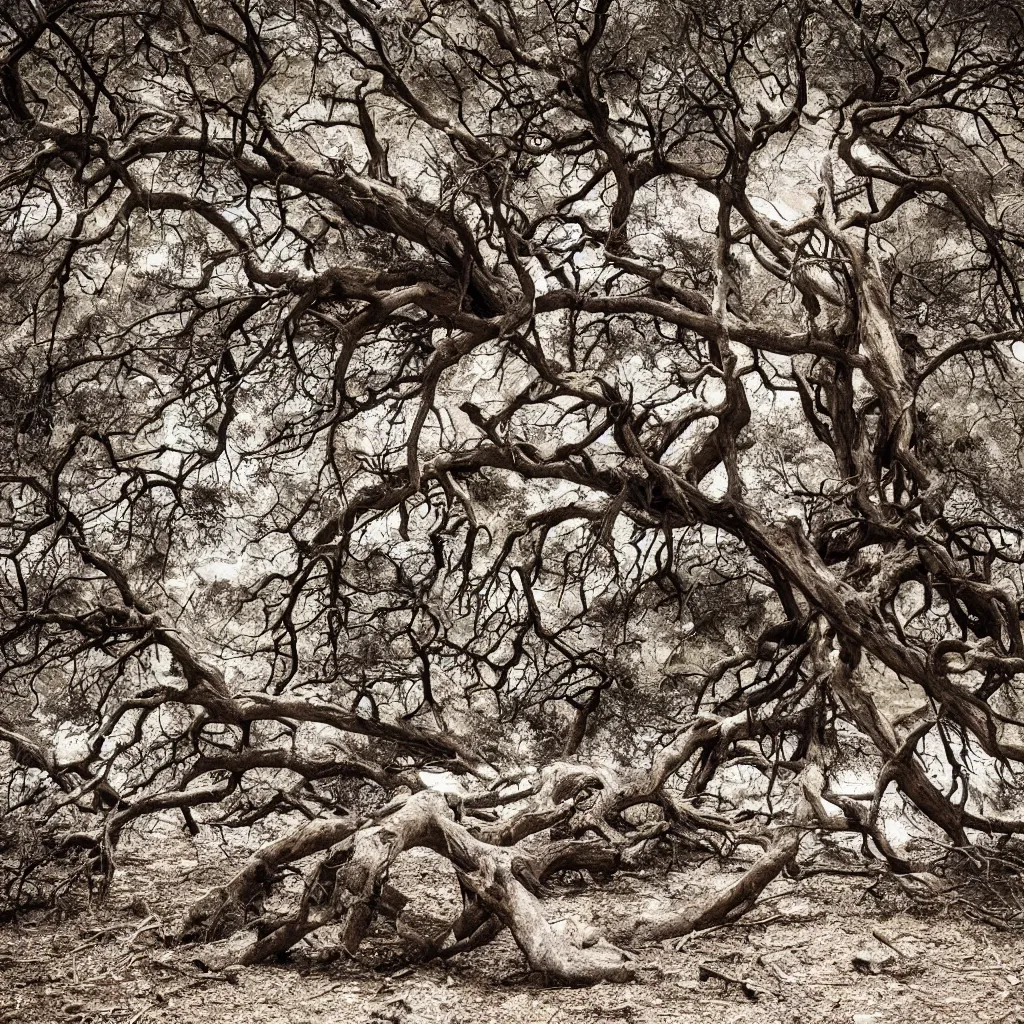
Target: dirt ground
814 951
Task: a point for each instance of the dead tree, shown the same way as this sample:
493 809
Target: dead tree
376 375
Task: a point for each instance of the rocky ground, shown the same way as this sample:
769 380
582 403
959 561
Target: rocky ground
819 949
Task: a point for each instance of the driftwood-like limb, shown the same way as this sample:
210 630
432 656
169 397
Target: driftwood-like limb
742 894
222 910
734 899
494 880
494 874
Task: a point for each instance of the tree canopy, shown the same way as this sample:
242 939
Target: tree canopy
608 405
